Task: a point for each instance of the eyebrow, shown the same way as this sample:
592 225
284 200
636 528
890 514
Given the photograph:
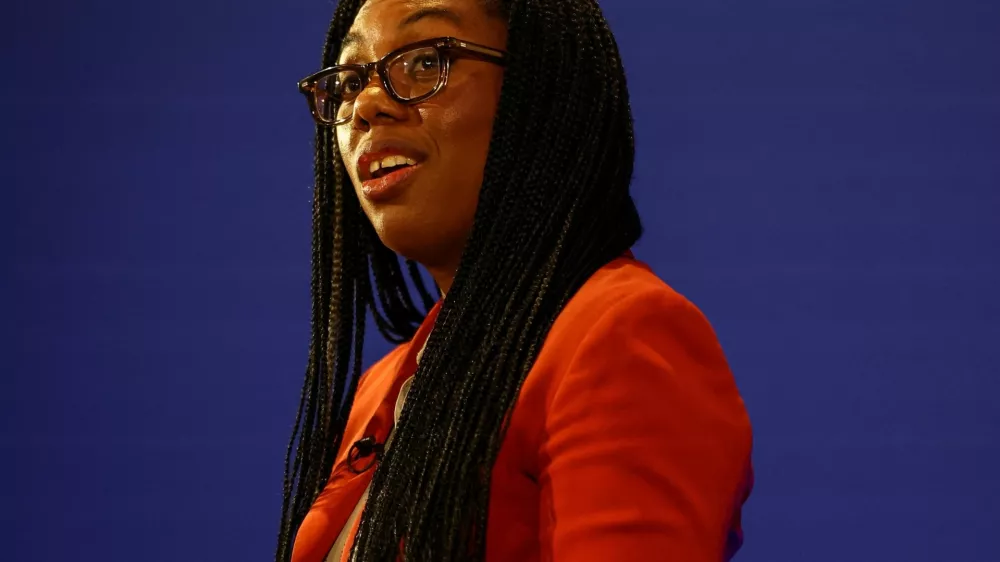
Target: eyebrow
431 11
439 12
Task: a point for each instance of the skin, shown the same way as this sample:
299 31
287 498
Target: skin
430 220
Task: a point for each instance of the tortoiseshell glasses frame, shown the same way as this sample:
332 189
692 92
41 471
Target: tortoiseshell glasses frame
409 74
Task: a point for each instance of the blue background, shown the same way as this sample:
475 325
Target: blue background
820 177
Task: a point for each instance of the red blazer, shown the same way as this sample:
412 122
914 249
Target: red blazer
628 441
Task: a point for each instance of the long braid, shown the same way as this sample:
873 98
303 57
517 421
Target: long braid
553 208
325 390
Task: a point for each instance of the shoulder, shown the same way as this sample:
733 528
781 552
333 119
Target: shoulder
626 303
622 287
631 342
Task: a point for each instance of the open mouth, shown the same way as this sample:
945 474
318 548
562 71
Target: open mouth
388 165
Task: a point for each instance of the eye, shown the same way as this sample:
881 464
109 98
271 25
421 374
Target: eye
421 65
426 63
346 84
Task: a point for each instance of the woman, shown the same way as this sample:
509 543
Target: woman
558 401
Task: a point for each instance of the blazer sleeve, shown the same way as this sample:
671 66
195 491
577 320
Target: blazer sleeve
646 452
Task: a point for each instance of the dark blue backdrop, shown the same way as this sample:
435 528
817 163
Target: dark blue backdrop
820 177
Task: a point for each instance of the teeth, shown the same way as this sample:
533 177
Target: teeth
389 162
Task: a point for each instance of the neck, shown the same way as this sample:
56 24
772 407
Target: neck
443 277
442 266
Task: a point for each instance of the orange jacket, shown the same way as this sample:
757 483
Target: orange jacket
628 441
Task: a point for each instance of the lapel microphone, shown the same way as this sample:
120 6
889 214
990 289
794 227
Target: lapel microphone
363 449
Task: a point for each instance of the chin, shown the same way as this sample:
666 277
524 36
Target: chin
418 239
398 230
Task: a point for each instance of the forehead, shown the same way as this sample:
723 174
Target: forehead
383 25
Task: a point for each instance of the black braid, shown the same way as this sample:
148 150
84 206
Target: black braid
553 208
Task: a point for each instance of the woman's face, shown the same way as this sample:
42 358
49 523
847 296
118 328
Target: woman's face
425 212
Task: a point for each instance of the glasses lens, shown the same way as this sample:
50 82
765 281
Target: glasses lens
415 73
334 92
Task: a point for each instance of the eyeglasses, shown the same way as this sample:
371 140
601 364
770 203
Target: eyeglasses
410 74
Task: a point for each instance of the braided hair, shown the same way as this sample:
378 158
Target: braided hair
554 207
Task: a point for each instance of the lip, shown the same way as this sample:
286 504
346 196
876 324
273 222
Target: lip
378 150
378 190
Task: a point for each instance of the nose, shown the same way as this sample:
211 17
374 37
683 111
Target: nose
374 106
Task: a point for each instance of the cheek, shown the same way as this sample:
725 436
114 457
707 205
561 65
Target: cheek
464 127
343 144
